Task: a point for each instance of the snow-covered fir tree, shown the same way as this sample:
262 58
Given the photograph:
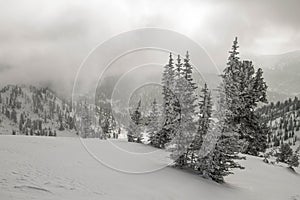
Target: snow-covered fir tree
285 152
86 122
169 104
178 90
218 160
286 155
293 160
134 130
153 126
244 89
205 112
186 128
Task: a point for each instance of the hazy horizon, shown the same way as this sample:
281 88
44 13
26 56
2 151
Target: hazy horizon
45 42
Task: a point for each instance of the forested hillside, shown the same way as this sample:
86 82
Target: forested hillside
29 110
283 118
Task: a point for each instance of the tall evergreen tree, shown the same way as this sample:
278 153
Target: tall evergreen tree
153 126
186 130
179 89
85 123
169 102
134 132
105 125
244 89
205 112
219 160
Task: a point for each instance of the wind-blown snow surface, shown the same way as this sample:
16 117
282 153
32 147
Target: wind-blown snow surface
61 168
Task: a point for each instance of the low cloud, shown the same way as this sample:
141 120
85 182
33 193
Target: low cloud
46 41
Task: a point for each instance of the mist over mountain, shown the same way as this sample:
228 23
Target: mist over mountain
282 74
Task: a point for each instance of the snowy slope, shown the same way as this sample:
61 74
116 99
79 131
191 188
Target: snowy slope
61 168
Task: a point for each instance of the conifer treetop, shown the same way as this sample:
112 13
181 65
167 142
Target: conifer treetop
178 66
187 55
170 59
234 53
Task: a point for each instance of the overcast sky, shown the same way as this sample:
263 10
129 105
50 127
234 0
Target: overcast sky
47 40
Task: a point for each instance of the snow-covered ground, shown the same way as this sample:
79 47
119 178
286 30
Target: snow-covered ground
61 168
